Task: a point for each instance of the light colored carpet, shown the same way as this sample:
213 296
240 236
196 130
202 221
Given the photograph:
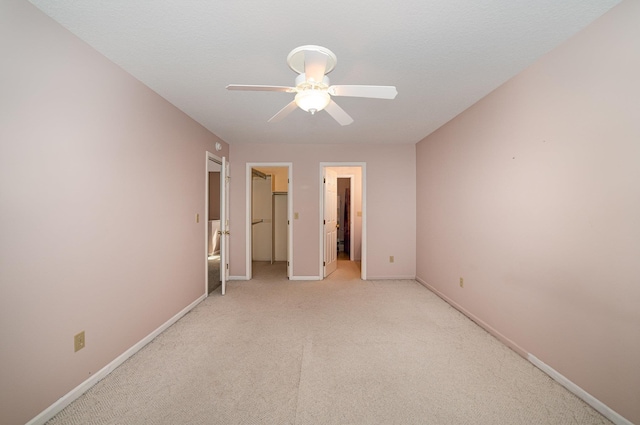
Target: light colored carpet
338 351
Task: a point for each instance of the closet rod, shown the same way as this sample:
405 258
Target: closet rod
257 173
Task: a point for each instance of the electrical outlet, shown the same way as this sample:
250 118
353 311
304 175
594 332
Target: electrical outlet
391 259
295 216
78 341
461 282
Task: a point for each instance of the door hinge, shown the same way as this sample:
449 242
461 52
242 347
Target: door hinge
287 222
227 266
287 264
324 180
324 264
324 221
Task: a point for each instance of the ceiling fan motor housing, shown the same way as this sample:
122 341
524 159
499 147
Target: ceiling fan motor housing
312 97
303 84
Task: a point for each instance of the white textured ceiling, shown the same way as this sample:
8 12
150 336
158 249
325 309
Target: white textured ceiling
442 55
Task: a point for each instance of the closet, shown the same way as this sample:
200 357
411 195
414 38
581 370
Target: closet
269 214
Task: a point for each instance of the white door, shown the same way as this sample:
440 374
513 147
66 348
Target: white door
330 221
224 224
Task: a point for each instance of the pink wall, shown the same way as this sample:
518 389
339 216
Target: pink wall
390 197
100 183
532 195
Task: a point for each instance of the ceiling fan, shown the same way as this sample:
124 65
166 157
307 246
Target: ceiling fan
312 89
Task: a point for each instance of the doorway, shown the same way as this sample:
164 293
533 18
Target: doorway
269 206
217 224
344 216
348 247
214 279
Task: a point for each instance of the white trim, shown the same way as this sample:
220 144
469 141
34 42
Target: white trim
248 193
238 278
363 241
305 278
248 251
575 389
206 226
290 221
217 160
399 277
352 218
224 223
506 341
363 235
605 410
68 398
321 222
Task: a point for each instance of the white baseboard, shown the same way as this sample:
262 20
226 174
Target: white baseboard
291 278
305 278
610 414
607 412
506 341
68 398
400 277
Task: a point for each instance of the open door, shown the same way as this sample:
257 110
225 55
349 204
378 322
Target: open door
330 221
224 224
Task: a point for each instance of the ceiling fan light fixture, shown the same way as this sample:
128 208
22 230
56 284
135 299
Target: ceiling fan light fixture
313 90
312 100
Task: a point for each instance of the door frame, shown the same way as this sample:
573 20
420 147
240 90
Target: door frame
351 178
363 237
249 200
330 221
218 160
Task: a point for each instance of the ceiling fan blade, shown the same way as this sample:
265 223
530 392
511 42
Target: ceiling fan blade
377 92
315 65
284 112
260 88
338 113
